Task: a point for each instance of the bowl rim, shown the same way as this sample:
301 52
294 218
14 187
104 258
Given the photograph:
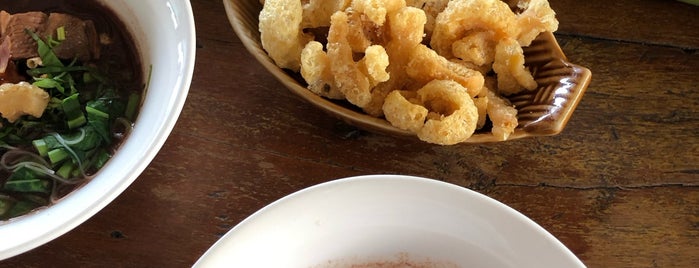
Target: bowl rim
490 208
62 223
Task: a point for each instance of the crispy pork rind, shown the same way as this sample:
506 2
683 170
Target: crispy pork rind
404 34
502 114
464 17
432 8
374 64
21 99
402 113
500 111
480 33
482 105
425 65
536 17
476 50
349 79
281 34
315 69
509 65
316 13
441 112
377 10
452 116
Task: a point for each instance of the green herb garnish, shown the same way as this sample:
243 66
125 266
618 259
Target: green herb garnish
84 107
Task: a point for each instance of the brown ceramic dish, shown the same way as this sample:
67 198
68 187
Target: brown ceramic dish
542 112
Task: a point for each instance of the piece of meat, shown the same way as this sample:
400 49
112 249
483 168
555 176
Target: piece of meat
11 74
22 46
81 37
4 20
4 54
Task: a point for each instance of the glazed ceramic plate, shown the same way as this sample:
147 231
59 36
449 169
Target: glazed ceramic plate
542 112
387 219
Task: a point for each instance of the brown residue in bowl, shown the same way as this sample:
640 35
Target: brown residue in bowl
401 260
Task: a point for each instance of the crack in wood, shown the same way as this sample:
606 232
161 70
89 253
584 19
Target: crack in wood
688 50
598 187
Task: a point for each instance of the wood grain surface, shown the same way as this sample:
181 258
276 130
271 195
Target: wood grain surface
619 186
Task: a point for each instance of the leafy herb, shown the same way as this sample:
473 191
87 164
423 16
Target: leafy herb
48 58
69 142
24 180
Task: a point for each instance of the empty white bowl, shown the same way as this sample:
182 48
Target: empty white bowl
388 220
165 36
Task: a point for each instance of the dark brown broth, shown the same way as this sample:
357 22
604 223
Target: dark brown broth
119 59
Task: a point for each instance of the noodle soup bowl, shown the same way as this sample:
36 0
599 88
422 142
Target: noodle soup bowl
164 34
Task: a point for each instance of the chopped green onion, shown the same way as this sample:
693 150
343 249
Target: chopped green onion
61 33
87 78
91 111
74 114
76 122
48 57
49 83
57 155
102 159
65 170
57 70
41 147
132 106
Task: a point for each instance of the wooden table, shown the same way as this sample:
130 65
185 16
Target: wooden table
619 187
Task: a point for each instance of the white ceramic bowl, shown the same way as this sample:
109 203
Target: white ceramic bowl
165 35
397 221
